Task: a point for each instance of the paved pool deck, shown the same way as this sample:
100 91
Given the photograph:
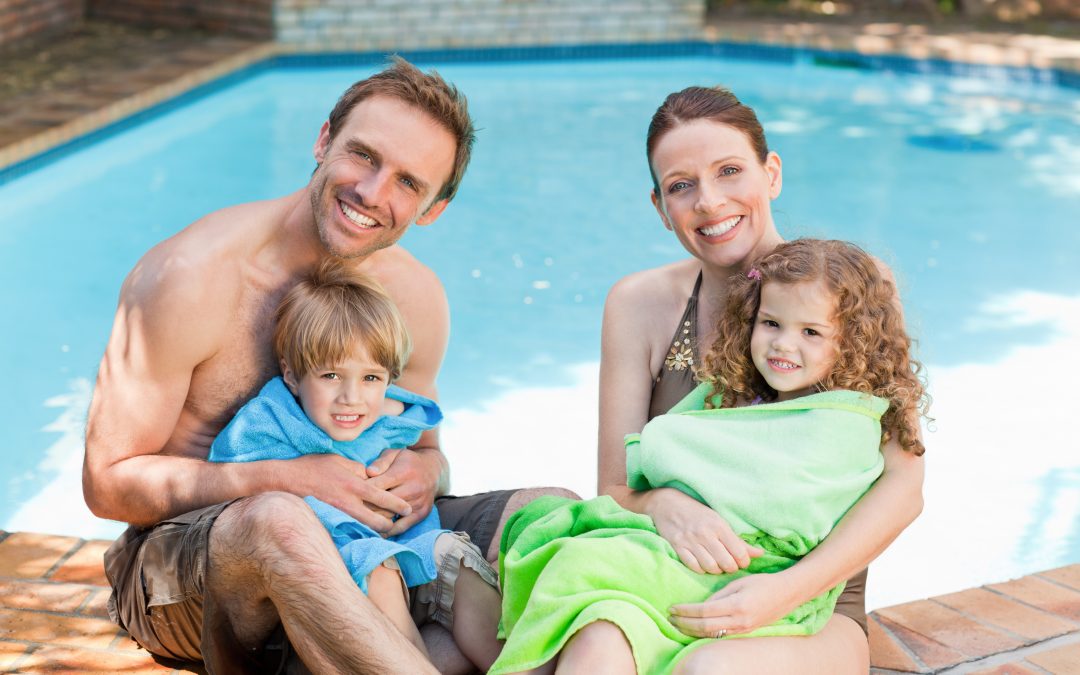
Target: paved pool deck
52 588
53 596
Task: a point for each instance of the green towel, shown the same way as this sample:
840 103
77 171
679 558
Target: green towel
781 473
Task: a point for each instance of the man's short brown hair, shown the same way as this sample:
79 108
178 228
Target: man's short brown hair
427 91
323 318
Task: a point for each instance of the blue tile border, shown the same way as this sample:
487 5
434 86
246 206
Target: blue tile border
735 51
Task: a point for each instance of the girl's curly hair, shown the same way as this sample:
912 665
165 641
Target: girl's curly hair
872 347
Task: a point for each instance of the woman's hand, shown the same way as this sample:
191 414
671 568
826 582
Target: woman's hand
703 540
745 604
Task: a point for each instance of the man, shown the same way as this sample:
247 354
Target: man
223 557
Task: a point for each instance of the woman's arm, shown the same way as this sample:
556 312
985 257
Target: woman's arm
703 540
861 535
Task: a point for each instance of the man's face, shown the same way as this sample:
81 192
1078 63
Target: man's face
380 174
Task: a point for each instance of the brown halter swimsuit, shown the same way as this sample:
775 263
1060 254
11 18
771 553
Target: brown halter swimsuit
676 380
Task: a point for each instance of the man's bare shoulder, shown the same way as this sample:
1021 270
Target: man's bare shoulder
413 285
199 271
204 260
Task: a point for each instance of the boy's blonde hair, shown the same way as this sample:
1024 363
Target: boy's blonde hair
322 319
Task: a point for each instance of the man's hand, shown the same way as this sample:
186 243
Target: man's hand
703 540
745 604
410 476
345 484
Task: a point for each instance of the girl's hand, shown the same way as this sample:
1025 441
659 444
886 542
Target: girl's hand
702 539
745 604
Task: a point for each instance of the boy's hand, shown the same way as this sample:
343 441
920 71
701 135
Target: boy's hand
409 475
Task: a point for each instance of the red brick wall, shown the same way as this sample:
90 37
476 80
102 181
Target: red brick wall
21 18
246 17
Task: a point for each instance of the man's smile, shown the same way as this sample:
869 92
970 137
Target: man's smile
357 218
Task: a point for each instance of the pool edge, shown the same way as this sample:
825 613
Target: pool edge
28 155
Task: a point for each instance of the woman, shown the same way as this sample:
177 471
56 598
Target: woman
713 183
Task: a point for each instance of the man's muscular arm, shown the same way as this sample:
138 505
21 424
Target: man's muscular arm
140 466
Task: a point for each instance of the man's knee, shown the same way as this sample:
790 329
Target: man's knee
266 530
521 498
516 502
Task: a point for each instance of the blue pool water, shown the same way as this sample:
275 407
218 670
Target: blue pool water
969 188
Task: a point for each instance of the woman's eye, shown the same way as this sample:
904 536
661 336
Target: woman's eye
729 171
678 186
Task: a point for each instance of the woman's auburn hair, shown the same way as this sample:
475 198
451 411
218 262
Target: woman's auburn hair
872 346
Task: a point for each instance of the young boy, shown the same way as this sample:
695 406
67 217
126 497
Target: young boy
341 342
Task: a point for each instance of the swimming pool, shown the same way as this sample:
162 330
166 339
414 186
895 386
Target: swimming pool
970 188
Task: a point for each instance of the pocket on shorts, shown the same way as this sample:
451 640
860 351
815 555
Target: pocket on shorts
173 561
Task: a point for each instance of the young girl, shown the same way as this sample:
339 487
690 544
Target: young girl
341 342
809 375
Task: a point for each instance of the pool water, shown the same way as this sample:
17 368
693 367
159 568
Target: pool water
970 189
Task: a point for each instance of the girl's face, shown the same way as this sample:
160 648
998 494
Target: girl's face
342 399
715 194
795 337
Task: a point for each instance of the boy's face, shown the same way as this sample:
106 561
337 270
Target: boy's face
342 399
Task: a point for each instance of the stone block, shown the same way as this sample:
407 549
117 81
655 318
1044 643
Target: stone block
886 652
1003 612
1066 576
29 555
42 596
56 629
1060 661
57 659
86 566
1042 594
949 628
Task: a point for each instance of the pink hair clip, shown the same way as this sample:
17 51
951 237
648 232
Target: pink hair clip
754 274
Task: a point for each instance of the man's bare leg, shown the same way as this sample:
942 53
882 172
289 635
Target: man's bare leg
516 502
271 561
444 651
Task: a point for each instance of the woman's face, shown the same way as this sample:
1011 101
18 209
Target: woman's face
715 194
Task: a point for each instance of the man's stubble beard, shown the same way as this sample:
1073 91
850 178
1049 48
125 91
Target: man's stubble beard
323 218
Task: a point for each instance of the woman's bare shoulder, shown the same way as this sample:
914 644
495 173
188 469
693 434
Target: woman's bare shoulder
660 286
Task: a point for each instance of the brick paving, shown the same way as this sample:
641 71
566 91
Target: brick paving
53 618
61 86
53 615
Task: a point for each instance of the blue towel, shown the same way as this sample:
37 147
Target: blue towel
273 426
